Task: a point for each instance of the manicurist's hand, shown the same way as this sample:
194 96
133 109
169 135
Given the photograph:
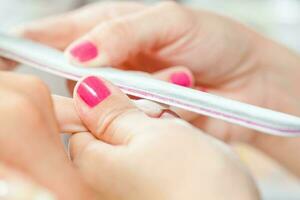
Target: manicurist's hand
126 154
30 143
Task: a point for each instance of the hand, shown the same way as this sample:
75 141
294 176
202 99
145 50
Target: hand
222 54
129 155
30 141
225 57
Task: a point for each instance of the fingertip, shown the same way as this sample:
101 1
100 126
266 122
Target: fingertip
87 53
178 75
182 78
91 91
57 32
105 110
83 51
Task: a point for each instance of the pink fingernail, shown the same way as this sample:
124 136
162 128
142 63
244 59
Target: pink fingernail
92 91
181 78
84 51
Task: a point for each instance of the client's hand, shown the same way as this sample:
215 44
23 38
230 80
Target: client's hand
225 57
128 155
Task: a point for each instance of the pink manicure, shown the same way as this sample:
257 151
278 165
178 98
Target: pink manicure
84 51
92 91
181 78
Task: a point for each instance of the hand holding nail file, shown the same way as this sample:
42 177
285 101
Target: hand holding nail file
53 61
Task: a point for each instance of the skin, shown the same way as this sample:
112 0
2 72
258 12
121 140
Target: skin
113 160
225 57
147 160
234 62
30 141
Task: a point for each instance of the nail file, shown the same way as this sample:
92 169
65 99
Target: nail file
52 61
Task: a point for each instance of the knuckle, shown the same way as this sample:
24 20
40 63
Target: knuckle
89 152
116 30
119 28
112 122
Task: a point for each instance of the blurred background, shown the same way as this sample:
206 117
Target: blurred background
278 19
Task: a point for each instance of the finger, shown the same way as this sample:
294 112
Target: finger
106 111
59 31
97 161
69 121
180 76
177 75
33 88
66 115
116 41
33 138
155 110
82 145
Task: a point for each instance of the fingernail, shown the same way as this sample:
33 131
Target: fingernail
181 78
84 51
92 91
12 190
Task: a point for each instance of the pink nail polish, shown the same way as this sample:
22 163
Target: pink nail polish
84 51
181 78
92 91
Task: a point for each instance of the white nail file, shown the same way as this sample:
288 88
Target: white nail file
53 61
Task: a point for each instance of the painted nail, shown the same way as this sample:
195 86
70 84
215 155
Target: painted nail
181 78
84 51
92 91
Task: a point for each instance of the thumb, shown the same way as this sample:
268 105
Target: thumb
115 41
106 111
